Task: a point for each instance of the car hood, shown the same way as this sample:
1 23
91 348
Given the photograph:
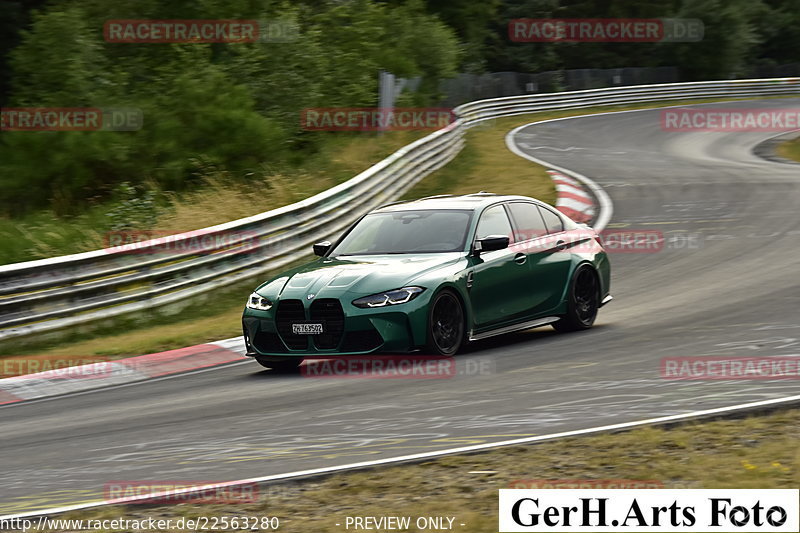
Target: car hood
356 275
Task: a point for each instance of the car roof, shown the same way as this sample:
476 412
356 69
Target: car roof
470 202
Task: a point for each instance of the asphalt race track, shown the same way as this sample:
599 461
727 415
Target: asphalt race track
726 283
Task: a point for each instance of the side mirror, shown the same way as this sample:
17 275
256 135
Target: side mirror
490 243
321 248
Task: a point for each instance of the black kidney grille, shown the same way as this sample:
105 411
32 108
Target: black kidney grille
329 312
291 311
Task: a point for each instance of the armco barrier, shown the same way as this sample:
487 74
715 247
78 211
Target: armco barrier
61 292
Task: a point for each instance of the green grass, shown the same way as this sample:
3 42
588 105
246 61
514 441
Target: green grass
756 452
790 149
218 198
484 164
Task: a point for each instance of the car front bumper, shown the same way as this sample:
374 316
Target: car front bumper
348 331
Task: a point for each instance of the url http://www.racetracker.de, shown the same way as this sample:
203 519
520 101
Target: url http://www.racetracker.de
199 523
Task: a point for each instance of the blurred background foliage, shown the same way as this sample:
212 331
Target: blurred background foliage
235 107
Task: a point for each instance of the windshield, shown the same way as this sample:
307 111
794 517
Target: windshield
402 232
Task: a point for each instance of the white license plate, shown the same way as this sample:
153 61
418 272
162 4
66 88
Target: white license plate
306 329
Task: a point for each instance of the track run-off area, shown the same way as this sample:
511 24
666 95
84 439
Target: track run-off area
725 283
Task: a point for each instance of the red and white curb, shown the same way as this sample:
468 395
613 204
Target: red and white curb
104 374
573 200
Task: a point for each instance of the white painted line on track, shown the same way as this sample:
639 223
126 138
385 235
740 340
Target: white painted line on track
605 207
419 456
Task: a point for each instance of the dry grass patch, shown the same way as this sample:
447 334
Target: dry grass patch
790 149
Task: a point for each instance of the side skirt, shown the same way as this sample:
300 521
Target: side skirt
514 327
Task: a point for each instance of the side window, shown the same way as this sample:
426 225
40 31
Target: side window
494 221
552 221
529 223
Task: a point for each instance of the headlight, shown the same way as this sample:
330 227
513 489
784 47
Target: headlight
393 297
256 301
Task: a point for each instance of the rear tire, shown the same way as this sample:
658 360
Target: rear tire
288 364
446 324
583 301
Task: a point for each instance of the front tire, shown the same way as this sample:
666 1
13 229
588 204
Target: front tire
446 324
583 301
288 364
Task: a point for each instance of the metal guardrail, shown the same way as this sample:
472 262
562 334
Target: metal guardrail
62 292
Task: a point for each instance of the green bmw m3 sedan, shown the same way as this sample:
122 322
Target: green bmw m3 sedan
430 275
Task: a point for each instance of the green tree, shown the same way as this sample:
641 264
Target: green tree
728 43
59 63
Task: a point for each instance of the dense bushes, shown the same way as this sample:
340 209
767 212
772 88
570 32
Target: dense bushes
235 106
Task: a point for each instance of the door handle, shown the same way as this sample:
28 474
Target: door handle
520 259
561 245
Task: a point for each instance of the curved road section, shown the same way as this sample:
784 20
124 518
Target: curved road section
724 283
